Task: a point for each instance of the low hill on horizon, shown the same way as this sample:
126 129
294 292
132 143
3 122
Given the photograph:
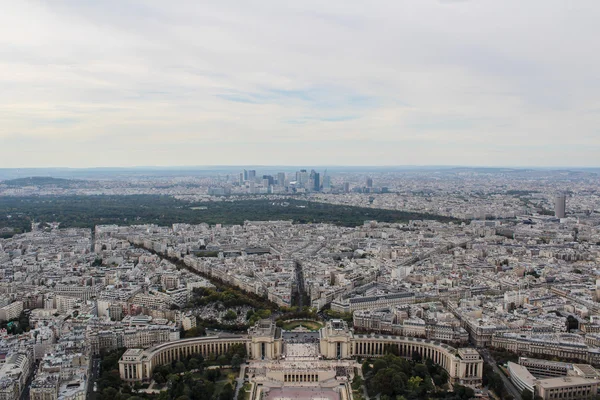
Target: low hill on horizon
40 181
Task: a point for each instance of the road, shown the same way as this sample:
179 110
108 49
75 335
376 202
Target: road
94 375
240 380
512 390
25 393
299 285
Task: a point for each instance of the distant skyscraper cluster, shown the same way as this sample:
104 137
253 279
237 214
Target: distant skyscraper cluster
301 181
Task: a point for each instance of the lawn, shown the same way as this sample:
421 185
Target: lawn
311 325
228 376
246 390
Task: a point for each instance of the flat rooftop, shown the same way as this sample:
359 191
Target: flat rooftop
586 369
552 383
133 352
539 361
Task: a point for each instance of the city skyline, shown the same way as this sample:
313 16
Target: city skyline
346 83
267 200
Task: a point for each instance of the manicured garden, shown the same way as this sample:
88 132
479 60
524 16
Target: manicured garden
308 324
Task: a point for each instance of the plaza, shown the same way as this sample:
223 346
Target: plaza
324 359
301 394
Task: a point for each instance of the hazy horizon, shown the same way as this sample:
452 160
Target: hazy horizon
305 166
122 83
111 173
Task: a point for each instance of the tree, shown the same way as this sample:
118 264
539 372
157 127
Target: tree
357 382
440 379
526 395
431 367
163 395
222 359
227 392
236 361
427 386
382 382
158 378
194 363
109 393
464 392
213 374
179 367
195 332
379 365
572 323
414 382
398 383
391 349
230 315
420 370
366 367
416 356
238 349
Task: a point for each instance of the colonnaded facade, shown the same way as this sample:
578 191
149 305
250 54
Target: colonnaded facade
333 344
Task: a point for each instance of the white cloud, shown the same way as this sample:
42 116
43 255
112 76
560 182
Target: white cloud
277 82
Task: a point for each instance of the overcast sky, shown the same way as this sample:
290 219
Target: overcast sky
421 82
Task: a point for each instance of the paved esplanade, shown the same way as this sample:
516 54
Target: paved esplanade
325 358
300 344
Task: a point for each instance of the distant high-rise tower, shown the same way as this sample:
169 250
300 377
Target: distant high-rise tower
326 182
269 180
281 178
347 187
245 175
302 177
560 205
314 181
252 175
369 182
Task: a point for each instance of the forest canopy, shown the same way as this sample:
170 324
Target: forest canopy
87 211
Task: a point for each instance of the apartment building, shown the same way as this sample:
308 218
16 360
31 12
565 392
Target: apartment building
11 311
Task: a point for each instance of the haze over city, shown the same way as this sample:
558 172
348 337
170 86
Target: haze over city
154 83
276 200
